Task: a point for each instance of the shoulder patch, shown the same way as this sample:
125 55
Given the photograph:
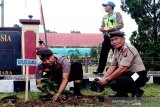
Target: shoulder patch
125 52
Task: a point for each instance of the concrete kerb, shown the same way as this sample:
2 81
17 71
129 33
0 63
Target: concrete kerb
7 83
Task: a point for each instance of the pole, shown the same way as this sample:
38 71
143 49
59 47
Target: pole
86 63
26 88
2 13
43 22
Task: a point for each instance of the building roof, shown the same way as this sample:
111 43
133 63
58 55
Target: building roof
72 39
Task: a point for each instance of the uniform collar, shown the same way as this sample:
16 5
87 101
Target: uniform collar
123 47
111 13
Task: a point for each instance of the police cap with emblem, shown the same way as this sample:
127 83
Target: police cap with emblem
116 33
44 53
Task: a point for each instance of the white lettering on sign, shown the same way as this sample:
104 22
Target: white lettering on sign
27 62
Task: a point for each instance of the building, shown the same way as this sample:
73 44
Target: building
72 39
64 42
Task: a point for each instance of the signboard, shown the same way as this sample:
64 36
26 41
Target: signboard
10 51
27 62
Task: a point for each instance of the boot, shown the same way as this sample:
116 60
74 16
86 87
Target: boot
77 87
138 93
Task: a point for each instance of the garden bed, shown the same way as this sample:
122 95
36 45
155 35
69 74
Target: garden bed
46 101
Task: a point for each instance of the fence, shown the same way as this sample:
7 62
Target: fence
90 64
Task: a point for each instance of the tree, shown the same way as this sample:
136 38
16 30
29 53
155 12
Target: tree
16 26
74 54
49 31
146 39
95 51
73 31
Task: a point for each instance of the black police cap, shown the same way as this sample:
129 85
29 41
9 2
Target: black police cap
44 53
116 33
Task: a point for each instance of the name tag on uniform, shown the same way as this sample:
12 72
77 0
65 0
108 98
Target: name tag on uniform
135 76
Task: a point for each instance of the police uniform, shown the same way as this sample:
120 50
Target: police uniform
115 21
75 69
128 56
56 70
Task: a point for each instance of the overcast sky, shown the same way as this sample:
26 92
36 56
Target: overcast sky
63 16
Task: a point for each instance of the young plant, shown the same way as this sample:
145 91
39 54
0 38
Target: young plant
48 84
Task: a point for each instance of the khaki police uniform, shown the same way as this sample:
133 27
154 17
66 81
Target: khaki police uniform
128 56
55 72
75 69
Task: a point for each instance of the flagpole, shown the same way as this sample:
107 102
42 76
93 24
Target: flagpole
2 13
43 22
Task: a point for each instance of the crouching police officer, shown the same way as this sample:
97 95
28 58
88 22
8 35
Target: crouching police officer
127 72
61 71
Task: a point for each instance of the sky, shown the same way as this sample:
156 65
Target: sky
63 16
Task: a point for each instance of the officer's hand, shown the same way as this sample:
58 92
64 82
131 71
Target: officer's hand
55 98
102 81
102 29
58 98
111 29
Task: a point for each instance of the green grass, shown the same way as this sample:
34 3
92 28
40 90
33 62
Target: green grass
150 98
150 90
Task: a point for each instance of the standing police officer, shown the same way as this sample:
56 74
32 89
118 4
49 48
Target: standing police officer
59 69
127 72
111 22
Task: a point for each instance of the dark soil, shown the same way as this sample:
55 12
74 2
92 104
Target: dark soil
46 101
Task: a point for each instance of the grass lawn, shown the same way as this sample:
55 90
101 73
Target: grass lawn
150 97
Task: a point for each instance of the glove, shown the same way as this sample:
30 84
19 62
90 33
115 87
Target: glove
95 86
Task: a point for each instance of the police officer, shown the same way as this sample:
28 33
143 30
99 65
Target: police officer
61 71
127 72
112 21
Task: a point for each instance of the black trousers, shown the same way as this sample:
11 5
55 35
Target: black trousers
106 46
76 72
125 83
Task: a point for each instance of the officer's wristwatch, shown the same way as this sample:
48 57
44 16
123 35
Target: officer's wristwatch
107 79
